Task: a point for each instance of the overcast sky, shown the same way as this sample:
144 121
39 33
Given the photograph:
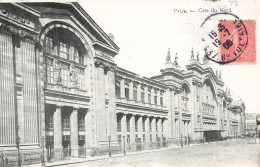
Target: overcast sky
144 30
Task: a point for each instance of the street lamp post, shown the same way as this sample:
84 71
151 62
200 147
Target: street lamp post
181 141
124 145
188 140
109 138
43 157
18 151
255 134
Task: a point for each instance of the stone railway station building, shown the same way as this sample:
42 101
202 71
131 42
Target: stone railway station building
61 89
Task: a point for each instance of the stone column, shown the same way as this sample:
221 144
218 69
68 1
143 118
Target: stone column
131 90
57 132
88 132
200 108
147 130
181 123
194 122
132 129
123 127
112 105
140 128
165 126
122 88
177 128
173 115
101 103
159 125
153 129
74 133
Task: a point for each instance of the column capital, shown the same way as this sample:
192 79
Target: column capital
58 105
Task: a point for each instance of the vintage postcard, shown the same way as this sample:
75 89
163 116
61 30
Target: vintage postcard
129 83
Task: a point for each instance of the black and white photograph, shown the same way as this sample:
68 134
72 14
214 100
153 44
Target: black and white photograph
142 83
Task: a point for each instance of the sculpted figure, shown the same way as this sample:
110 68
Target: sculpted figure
57 71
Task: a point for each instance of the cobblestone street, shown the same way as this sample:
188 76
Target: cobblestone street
227 153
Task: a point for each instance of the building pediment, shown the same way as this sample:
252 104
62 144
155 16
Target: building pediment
73 11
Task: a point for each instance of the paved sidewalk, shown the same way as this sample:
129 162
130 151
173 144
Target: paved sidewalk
95 158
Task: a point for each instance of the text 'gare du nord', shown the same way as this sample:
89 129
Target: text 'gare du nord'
65 92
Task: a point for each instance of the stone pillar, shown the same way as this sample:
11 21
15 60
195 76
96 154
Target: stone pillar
122 88
239 125
131 90
123 127
153 129
194 122
177 128
57 132
132 129
140 128
147 130
165 127
100 105
74 133
173 114
181 123
88 132
200 112
159 125
112 105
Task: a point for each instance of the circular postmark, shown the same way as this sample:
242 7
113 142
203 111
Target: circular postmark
224 37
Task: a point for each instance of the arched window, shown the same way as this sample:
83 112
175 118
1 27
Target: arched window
155 98
126 91
64 46
142 94
64 58
118 92
161 99
135 93
149 96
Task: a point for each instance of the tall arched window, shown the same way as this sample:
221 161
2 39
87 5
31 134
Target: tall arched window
155 98
64 46
118 92
64 58
142 94
149 96
126 91
161 99
135 93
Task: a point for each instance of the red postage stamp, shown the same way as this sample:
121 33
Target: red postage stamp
238 41
229 39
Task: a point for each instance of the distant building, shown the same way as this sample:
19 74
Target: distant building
251 123
61 89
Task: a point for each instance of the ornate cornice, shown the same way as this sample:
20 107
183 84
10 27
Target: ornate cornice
16 30
106 65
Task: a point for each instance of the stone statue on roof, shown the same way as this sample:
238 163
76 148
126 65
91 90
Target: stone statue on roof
176 61
192 53
198 56
168 57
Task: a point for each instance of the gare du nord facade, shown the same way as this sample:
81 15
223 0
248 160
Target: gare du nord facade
61 89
